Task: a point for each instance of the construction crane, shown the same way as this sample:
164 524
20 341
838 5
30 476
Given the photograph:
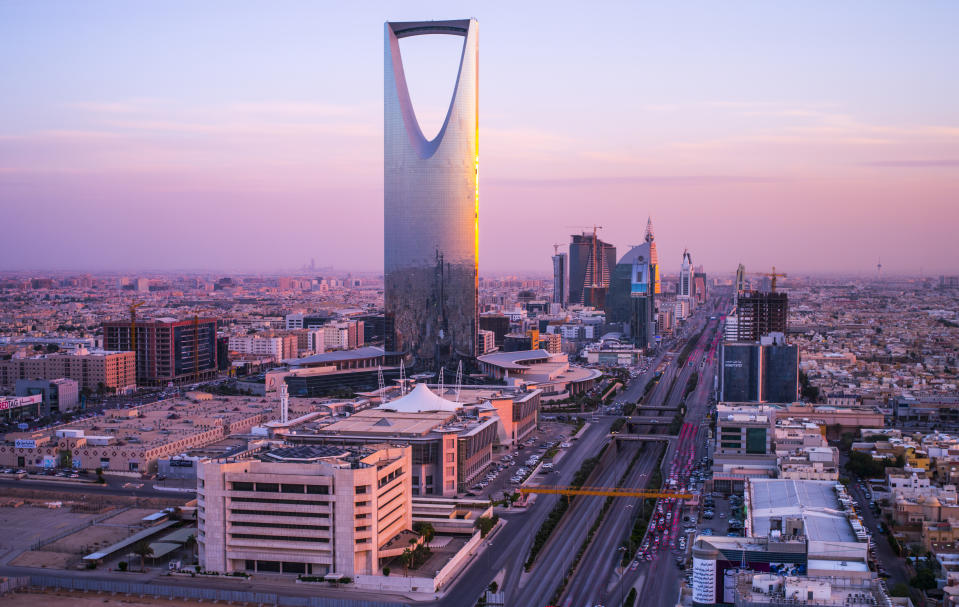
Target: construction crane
605 491
772 275
133 323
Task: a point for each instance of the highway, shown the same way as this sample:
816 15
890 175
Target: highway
600 561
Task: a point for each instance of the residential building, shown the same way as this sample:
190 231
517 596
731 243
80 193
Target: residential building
168 350
94 371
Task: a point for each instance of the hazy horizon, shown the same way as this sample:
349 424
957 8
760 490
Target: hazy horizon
821 139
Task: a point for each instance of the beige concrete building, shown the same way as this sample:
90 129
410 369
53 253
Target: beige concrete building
93 370
133 439
309 509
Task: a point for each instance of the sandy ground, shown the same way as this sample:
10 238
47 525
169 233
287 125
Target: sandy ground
25 525
44 559
90 539
79 599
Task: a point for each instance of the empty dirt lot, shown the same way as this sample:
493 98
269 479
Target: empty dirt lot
79 599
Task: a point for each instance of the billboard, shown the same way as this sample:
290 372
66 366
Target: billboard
14 402
25 443
704 581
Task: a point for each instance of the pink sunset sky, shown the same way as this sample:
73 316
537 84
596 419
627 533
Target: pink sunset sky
248 136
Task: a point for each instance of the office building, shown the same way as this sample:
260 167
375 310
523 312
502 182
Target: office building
277 348
684 289
765 371
431 208
59 395
452 444
306 321
591 263
168 351
308 509
653 256
560 284
631 297
759 314
699 286
804 544
94 371
134 438
487 341
498 324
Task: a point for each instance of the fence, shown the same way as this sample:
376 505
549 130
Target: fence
12 583
93 521
167 591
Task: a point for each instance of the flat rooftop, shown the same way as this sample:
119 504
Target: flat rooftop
815 502
379 422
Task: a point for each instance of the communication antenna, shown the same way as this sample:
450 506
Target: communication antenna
402 378
459 380
442 380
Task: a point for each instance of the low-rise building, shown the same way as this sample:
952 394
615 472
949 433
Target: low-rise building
310 509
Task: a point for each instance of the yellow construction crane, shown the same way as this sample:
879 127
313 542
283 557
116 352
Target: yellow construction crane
605 491
772 275
133 323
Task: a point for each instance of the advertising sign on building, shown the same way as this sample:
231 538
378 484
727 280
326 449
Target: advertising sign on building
25 443
14 402
49 461
704 581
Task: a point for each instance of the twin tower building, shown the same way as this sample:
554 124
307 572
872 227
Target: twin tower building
431 208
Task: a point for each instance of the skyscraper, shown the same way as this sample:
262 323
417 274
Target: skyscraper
686 276
631 299
560 284
431 207
653 256
591 262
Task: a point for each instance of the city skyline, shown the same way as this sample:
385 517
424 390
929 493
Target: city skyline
824 154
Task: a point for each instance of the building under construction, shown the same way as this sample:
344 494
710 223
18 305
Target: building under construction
167 350
591 263
760 314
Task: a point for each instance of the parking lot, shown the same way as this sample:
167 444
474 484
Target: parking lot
510 468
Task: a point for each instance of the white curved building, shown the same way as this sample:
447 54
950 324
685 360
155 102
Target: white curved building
431 207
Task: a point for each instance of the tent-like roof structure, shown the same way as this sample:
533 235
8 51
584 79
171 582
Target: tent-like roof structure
419 400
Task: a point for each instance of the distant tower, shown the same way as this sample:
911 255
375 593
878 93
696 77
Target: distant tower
560 284
653 256
879 270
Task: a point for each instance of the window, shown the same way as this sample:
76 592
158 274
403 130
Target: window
278 538
318 489
268 487
291 488
361 489
450 458
237 486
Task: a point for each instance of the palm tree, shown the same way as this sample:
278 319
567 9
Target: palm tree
143 550
427 533
407 557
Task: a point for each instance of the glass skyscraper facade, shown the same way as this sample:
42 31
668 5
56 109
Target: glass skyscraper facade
431 208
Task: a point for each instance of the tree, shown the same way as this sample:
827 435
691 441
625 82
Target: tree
925 580
386 571
143 550
407 558
630 598
899 589
427 533
100 478
485 524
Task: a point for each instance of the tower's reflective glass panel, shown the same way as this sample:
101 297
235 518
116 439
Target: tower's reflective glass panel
431 206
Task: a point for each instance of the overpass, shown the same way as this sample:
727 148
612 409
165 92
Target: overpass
668 438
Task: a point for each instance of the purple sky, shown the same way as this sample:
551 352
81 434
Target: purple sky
241 136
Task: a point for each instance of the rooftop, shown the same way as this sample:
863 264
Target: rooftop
815 502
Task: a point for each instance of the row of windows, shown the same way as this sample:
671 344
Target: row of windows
390 477
281 488
282 513
281 526
266 500
278 538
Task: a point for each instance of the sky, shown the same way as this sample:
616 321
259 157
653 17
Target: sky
818 137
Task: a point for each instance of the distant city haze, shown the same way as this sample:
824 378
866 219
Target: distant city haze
241 136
